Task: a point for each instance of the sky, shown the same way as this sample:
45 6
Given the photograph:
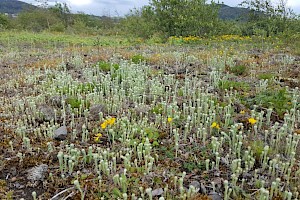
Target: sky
122 7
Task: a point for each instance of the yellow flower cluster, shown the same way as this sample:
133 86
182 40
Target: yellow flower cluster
107 122
252 121
215 125
191 39
233 37
187 39
97 137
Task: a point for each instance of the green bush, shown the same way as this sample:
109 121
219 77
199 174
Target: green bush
265 76
279 100
138 59
106 66
76 103
239 70
240 86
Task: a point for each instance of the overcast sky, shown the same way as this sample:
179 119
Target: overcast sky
121 7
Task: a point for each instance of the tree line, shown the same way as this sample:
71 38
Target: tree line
162 18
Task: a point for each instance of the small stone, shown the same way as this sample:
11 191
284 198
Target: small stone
47 113
19 186
215 196
95 110
13 179
55 101
157 192
196 184
37 173
60 133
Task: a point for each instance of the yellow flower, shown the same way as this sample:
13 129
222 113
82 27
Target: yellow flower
215 125
242 112
104 125
170 119
107 122
252 120
111 121
97 137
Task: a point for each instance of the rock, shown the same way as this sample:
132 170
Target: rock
60 133
47 113
55 101
13 179
214 196
157 192
18 185
95 110
144 109
196 184
37 173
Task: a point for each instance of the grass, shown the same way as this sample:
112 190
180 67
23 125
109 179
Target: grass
158 133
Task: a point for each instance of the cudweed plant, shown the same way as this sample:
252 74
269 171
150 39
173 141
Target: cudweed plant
168 110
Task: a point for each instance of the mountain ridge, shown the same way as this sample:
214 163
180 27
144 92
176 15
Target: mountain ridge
14 6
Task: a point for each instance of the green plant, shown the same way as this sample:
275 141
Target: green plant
138 58
85 87
257 148
239 70
265 76
279 100
106 66
74 102
157 109
153 135
240 86
190 166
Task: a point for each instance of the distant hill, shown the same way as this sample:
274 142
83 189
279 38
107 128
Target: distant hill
232 13
14 6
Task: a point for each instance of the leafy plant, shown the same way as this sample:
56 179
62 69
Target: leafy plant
138 58
226 84
239 70
190 166
279 100
106 66
76 103
265 76
153 135
157 109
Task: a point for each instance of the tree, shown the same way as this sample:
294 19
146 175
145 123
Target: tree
4 21
185 17
140 23
176 17
265 16
63 12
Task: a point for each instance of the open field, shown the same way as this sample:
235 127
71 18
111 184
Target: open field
114 118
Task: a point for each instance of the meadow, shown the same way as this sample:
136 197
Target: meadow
99 117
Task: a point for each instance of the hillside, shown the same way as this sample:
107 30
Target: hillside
232 13
13 6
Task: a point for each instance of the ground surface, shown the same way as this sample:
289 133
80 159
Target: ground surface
156 141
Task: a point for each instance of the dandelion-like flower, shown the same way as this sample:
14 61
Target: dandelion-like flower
170 119
107 122
103 125
111 121
97 137
252 121
215 125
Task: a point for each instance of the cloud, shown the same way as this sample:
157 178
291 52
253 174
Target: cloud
293 3
80 2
